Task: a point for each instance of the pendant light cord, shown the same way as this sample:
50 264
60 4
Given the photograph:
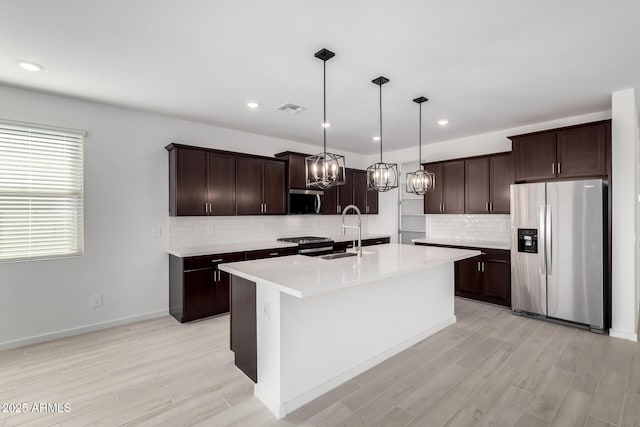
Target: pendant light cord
381 123
420 138
324 102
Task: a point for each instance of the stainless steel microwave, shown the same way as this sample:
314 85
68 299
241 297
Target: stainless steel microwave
305 202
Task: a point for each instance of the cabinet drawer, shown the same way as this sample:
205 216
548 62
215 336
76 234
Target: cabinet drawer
371 242
271 253
207 261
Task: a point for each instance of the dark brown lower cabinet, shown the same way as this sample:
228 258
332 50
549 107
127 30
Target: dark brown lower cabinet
486 277
244 329
468 276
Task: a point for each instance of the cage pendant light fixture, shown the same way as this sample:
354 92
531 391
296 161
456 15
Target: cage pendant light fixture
324 170
382 176
420 182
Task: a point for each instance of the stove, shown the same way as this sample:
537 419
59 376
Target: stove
311 245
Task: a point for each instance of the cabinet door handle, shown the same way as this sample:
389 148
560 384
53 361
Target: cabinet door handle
217 260
274 254
478 265
559 168
444 207
490 206
265 208
553 168
483 266
206 208
488 209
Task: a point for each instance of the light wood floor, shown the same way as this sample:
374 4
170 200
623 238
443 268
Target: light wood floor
490 368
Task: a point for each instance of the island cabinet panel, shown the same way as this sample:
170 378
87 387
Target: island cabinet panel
501 178
453 187
582 152
200 294
578 151
244 332
476 188
433 199
222 184
188 182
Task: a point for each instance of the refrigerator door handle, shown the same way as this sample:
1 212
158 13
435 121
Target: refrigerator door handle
547 240
542 245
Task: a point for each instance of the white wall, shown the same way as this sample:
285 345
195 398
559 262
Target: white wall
624 195
126 193
476 145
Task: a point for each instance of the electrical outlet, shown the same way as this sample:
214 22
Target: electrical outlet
262 226
210 229
96 300
266 310
156 231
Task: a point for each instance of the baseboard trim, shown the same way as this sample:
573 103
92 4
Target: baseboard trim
625 335
7 345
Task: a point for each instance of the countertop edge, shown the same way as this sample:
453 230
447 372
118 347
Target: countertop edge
340 287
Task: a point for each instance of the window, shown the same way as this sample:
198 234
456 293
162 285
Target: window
40 192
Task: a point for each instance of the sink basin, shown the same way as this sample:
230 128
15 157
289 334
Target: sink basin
339 255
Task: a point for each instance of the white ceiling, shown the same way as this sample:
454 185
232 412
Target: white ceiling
485 65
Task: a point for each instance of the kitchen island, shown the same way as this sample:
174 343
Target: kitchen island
301 326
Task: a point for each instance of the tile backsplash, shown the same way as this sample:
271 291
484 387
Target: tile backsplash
189 232
470 228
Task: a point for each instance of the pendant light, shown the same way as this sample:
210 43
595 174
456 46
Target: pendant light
420 181
324 170
381 176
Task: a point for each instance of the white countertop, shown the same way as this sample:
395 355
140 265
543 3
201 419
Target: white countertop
230 247
460 242
224 248
303 277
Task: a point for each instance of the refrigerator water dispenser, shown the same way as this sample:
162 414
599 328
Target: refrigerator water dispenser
528 240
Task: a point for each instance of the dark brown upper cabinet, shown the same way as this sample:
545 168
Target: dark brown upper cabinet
201 183
500 180
330 201
433 199
206 182
571 152
487 184
345 191
476 189
260 186
360 189
296 169
448 195
582 151
372 199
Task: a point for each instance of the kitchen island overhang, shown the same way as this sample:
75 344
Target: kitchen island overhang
318 323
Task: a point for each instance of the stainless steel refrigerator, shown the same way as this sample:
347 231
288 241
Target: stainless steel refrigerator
558 250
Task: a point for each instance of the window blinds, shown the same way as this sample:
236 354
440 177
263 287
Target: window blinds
41 192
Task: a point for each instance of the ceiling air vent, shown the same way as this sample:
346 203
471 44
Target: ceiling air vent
291 108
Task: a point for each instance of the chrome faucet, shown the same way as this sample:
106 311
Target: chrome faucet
359 227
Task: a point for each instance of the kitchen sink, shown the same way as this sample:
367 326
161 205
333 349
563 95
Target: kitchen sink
338 255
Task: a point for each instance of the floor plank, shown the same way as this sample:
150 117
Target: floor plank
491 368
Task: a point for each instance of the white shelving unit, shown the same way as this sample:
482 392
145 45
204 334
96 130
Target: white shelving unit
412 221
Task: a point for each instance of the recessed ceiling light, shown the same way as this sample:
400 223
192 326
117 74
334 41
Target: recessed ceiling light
326 125
376 138
29 66
443 122
253 105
